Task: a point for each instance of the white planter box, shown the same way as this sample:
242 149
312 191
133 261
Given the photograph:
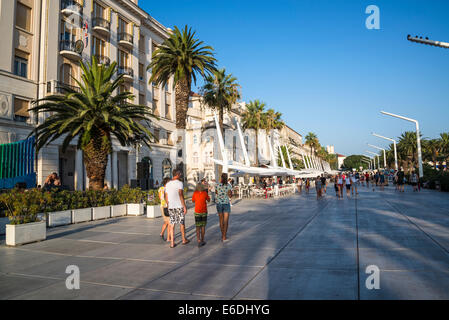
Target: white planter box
101 213
118 210
154 212
25 233
134 209
59 218
3 223
81 215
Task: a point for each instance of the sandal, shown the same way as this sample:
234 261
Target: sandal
184 243
173 246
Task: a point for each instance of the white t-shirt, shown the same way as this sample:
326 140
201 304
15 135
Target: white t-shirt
172 190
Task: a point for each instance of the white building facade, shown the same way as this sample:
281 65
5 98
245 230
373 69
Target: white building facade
44 42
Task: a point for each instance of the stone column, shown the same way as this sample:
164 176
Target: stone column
114 170
108 174
79 170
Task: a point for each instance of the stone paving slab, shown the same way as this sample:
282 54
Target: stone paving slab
87 291
298 284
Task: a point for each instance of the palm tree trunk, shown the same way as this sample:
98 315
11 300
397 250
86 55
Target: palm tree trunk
96 159
182 95
220 122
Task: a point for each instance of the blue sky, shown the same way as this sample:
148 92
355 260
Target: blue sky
316 62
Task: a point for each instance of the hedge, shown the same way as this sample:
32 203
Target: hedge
23 206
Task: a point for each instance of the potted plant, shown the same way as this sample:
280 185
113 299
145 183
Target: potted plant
25 222
98 201
60 213
81 210
112 199
152 204
134 199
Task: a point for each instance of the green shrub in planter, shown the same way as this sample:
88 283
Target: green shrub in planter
24 206
131 195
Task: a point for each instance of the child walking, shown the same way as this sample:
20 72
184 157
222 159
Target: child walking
200 198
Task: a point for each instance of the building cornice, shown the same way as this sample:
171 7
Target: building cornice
134 8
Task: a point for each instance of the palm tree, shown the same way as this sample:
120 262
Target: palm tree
312 141
220 92
407 148
272 120
444 140
253 118
431 150
183 57
93 116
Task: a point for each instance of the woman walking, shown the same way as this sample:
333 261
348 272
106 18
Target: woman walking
337 192
223 192
340 186
414 181
382 180
200 198
348 183
318 187
164 210
307 185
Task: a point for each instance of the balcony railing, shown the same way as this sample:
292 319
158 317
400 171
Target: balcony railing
67 45
103 59
101 22
60 87
123 36
127 71
72 5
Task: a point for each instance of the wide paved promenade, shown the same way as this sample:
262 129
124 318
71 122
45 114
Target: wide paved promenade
289 248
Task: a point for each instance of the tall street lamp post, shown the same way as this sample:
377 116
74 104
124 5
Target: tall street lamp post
418 138
379 148
371 159
375 155
394 143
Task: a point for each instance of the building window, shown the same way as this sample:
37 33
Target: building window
98 47
142 43
246 143
98 11
66 74
195 158
166 169
142 99
122 26
21 110
141 73
123 58
195 139
23 17
156 134
21 66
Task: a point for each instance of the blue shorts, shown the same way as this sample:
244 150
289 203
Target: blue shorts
221 208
